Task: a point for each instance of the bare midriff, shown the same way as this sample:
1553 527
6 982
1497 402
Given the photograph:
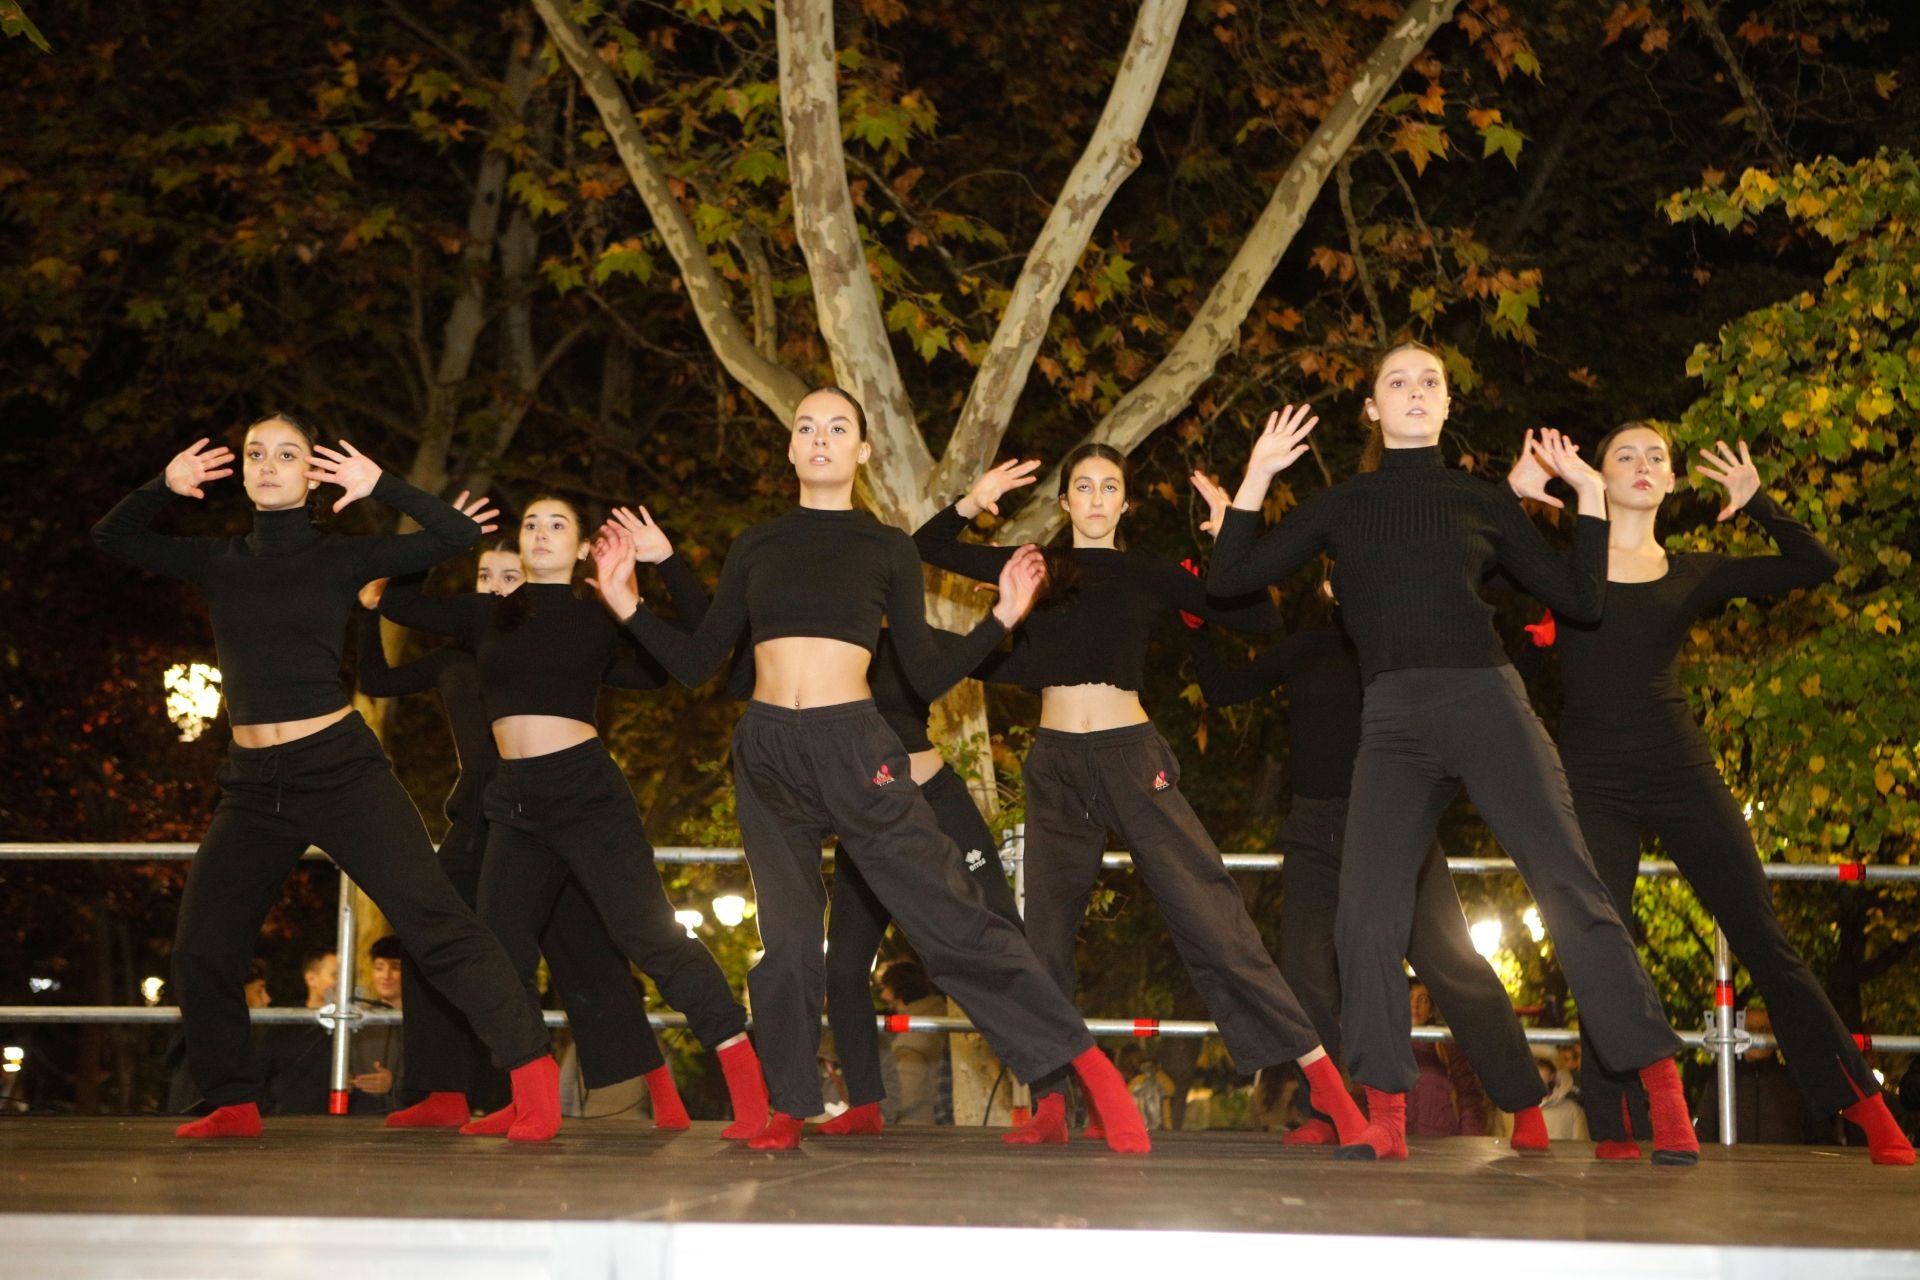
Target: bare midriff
524 737
801 672
1089 708
255 736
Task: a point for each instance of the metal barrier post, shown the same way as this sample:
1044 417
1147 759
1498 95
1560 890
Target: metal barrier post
1019 1096
1725 1041
340 1092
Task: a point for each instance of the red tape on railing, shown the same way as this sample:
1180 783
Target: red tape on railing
1144 1027
898 1023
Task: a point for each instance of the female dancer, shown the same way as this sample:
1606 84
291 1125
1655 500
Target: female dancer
1638 763
606 1009
558 805
1410 543
1322 675
811 756
1097 763
304 768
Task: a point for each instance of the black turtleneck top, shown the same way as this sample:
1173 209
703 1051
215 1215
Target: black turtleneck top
452 672
544 651
1098 631
1324 695
830 574
1622 674
1411 544
280 596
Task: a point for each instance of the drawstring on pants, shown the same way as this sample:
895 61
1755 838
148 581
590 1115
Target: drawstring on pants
272 774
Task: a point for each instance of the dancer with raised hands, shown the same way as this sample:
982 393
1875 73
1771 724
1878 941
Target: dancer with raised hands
558 805
812 757
1321 673
304 768
1411 543
1098 764
1639 765
606 1009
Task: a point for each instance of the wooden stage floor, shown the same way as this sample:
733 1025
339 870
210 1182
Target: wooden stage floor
332 1197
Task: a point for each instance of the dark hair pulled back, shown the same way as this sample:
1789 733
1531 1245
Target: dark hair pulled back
1063 569
514 609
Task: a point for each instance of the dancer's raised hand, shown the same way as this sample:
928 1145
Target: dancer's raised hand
1561 456
1279 444
479 510
1736 474
1021 578
613 575
1529 476
650 542
1216 498
197 464
987 491
347 467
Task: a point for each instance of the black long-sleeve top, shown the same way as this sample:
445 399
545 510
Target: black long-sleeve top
544 651
1622 674
1411 544
453 673
829 574
280 596
1099 632
1324 693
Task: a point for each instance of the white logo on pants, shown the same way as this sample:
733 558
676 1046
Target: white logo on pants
975 859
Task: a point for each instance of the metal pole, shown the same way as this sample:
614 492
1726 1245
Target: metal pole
1019 1096
341 1090
1725 1041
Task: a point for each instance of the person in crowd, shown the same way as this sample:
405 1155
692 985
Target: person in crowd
918 1056
296 1059
1447 1101
377 1063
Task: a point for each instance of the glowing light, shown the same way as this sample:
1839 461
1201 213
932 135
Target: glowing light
1879 1076
150 989
1486 937
1746 810
14 1055
193 697
1535 930
691 920
730 909
38 985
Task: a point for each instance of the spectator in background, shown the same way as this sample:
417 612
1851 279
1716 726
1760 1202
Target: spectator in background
917 1055
1767 1104
1561 1108
294 1057
377 1054
1447 1100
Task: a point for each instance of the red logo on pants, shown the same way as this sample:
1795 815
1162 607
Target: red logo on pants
883 777
1160 782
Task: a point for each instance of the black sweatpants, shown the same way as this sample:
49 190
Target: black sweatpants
606 1008
801 775
1477 1009
1621 797
1082 785
334 789
571 813
857 921
1423 733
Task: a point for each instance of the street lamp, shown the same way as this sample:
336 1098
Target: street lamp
691 920
1486 937
193 697
730 909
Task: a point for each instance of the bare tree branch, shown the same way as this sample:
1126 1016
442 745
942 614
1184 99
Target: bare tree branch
1167 390
776 387
1343 175
844 295
1762 119
1110 157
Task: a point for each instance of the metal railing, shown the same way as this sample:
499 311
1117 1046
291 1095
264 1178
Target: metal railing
1720 1036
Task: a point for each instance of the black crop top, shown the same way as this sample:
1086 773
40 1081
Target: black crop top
452 672
553 662
1098 633
830 574
1411 544
1324 695
280 596
1621 675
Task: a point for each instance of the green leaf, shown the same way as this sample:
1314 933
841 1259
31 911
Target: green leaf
1502 138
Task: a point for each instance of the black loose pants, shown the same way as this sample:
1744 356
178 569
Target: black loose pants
1424 732
800 775
1082 785
571 813
857 921
334 789
606 1008
1477 1009
1622 795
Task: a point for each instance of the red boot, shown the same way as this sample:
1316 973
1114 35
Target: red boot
1126 1132
863 1119
242 1120
435 1111
1619 1148
1385 1137
1529 1131
781 1133
1313 1132
1047 1126
668 1111
536 1100
492 1125
1328 1093
1885 1143
1673 1137
747 1086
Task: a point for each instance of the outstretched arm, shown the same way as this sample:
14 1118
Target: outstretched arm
1804 561
445 530
376 678
930 670
1573 585
126 532
1243 559
459 616
938 543
689 657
